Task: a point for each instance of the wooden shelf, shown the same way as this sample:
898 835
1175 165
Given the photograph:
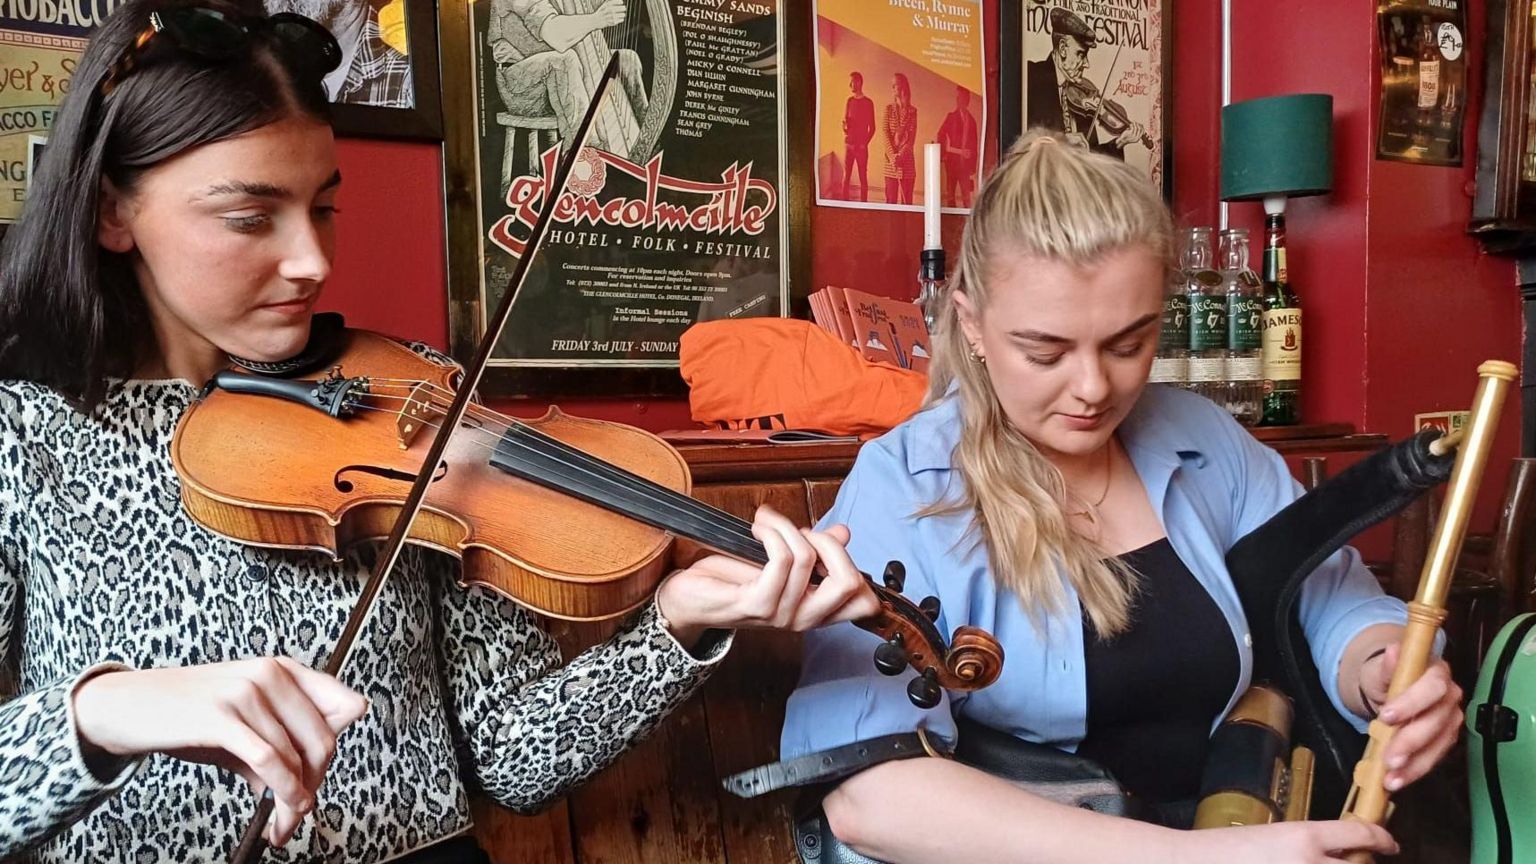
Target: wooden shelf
755 462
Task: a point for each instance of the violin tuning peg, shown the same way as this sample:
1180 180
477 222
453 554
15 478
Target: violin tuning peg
930 607
895 576
890 659
924 691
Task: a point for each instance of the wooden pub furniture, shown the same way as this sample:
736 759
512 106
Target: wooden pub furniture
663 801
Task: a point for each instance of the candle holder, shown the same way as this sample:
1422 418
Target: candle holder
930 285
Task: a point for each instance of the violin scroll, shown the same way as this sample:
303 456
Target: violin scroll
975 657
971 662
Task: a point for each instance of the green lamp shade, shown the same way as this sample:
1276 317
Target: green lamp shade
1282 145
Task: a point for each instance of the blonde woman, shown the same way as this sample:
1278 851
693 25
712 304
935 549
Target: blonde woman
1046 494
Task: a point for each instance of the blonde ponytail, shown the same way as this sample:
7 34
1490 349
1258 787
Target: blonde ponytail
1046 199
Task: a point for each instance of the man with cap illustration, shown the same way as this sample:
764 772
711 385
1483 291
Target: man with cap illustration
1046 83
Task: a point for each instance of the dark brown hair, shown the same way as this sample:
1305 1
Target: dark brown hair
71 312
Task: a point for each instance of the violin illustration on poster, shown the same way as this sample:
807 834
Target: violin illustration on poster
1092 70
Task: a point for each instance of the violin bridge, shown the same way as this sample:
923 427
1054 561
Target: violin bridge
414 416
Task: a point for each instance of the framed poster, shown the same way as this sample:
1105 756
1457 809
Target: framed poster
386 85
40 46
679 209
1424 66
888 81
1097 70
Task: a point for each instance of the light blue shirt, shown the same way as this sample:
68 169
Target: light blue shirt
1208 480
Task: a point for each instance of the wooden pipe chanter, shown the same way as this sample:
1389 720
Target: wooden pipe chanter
1368 797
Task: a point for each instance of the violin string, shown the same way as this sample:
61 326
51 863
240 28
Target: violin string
633 497
681 514
617 491
719 528
734 534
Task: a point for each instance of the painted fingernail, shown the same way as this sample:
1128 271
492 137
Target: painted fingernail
1394 784
1397 762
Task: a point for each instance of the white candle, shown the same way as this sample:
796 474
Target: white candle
931 197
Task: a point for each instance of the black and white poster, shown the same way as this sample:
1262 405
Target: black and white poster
1094 70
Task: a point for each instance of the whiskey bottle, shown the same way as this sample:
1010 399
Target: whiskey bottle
1281 334
1429 86
1171 364
1207 320
1245 316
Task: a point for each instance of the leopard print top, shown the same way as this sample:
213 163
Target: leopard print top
100 565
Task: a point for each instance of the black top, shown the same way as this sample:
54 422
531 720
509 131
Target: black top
1155 690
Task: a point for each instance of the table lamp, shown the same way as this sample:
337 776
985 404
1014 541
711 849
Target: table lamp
1273 149
1277 148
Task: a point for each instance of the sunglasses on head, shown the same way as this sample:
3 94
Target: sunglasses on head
215 36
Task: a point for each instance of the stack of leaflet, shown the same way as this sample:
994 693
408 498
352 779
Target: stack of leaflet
883 329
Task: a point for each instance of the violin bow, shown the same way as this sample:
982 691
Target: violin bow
1113 62
252 843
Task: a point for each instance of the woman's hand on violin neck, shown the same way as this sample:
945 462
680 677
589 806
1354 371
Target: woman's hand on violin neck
1282 843
274 721
723 592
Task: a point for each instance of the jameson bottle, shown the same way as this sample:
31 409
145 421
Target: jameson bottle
1282 331
1207 319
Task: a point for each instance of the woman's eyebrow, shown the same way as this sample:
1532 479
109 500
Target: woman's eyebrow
1053 339
1135 325
261 190
242 187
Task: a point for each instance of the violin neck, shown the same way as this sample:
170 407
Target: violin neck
529 454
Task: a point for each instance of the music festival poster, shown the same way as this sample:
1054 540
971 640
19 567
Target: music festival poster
674 212
1091 69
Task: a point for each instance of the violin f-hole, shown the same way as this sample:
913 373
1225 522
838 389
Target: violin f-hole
344 485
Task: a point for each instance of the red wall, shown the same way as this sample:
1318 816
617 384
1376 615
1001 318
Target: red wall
1392 285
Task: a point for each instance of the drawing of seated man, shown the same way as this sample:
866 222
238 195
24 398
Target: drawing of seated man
549 57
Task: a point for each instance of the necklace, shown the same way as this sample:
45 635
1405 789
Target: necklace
1109 473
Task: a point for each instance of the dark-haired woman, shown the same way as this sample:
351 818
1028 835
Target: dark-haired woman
184 212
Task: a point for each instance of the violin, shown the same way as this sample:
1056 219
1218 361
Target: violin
570 517
1082 96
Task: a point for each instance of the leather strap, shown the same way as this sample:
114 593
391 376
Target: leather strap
827 765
